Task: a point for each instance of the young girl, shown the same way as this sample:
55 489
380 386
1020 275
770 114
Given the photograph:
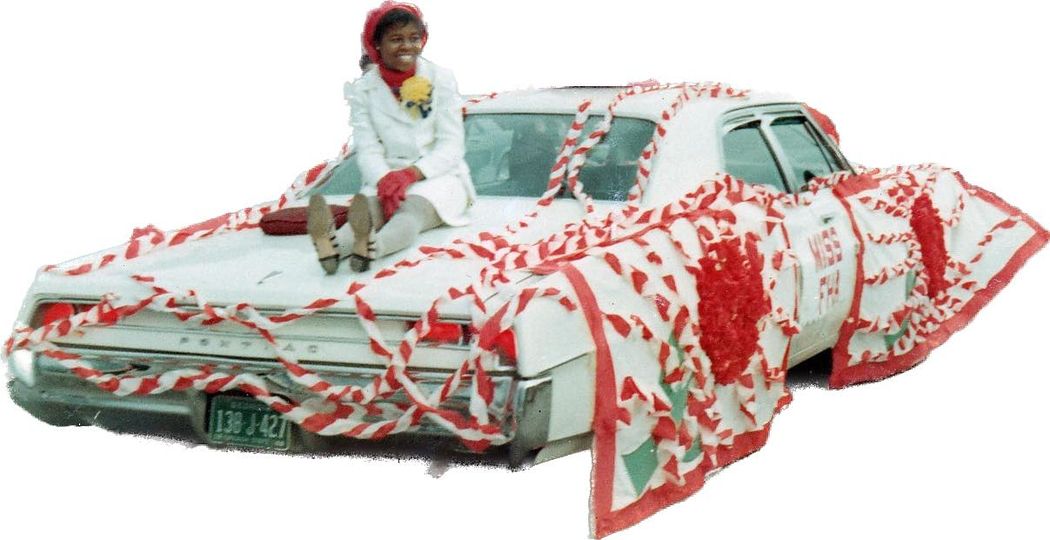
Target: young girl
408 142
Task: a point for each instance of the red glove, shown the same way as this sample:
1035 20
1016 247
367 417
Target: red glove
392 190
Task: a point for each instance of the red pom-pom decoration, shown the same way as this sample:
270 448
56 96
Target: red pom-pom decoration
732 301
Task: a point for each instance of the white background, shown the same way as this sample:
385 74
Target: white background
118 114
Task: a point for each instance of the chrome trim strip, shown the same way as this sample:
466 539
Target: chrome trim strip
325 367
328 313
264 310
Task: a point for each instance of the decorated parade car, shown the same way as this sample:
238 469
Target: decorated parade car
643 266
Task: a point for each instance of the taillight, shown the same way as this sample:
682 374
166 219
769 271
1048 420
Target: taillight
505 344
445 333
460 334
56 312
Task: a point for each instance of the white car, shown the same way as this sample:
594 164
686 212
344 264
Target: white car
512 142
236 338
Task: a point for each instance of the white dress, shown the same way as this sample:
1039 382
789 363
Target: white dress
387 138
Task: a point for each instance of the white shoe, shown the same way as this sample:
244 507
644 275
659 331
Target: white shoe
359 219
321 226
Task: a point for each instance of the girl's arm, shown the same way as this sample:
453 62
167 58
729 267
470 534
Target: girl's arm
371 157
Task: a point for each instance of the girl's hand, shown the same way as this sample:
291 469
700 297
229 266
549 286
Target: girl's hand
392 189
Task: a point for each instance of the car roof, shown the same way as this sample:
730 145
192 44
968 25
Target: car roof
647 105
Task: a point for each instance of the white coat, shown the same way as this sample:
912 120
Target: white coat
387 138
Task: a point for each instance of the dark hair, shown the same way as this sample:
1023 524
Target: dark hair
396 18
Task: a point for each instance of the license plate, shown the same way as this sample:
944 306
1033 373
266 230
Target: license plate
248 422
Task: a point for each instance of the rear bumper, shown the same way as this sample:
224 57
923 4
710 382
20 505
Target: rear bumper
56 396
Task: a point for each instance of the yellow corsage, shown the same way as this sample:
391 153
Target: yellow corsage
417 96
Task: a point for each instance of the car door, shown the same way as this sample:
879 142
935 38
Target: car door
779 146
821 232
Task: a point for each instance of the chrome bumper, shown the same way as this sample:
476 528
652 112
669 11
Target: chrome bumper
56 396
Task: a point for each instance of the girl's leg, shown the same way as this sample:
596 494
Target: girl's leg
345 234
414 216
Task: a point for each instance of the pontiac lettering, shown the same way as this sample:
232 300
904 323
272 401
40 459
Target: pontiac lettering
215 343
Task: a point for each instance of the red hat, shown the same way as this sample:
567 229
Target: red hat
373 18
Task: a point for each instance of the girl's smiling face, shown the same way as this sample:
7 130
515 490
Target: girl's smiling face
400 46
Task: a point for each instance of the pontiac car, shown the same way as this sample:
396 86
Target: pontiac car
544 366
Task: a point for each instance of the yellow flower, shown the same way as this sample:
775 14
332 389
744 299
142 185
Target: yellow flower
415 88
416 96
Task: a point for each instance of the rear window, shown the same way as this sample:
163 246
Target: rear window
512 155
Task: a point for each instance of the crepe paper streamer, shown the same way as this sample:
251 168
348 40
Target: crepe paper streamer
683 387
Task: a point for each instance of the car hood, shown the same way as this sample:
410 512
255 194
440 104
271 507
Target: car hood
281 272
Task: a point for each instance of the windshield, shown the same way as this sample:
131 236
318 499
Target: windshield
512 155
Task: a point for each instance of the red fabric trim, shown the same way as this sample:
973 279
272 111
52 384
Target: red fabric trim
840 354
605 417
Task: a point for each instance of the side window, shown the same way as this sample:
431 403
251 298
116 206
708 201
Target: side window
749 158
806 156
